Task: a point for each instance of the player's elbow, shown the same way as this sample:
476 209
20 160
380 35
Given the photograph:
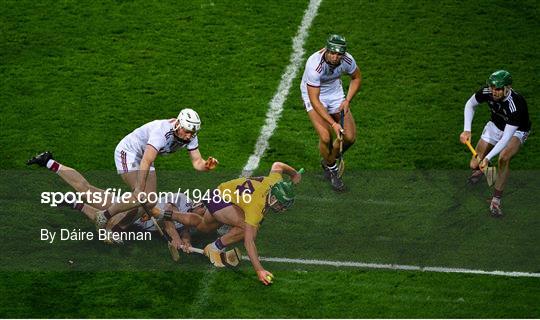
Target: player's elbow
277 167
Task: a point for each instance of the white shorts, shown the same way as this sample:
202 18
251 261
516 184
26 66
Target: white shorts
127 161
492 134
331 103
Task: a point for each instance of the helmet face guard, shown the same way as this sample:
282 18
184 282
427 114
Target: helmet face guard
281 196
336 43
188 120
500 79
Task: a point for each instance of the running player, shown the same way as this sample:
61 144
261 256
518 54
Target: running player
503 135
324 98
250 198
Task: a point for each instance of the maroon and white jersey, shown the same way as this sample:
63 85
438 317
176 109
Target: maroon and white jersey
318 73
160 135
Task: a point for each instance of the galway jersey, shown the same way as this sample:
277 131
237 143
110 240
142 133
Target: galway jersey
320 74
254 207
511 110
160 135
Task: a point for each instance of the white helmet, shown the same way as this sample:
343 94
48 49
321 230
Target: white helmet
189 120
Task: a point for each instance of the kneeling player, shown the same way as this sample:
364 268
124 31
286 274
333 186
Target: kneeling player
245 214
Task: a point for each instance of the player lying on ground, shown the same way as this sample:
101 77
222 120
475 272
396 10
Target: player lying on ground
244 214
135 154
177 204
503 135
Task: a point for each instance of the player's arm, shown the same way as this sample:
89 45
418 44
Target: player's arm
468 115
199 163
508 132
185 238
149 156
173 234
354 87
280 167
250 233
314 97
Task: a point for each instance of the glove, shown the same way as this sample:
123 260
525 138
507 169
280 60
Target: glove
214 255
211 163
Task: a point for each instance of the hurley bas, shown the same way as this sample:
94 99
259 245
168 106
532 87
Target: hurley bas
102 235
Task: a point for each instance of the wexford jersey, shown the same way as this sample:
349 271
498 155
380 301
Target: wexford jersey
511 110
320 74
159 134
258 188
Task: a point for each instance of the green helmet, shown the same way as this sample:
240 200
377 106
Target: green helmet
336 43
284 193
499 79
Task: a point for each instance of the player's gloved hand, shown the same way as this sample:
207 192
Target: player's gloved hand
214 255
265 277
465 136
185 246
484 164
345 106
156 213
211 163
297 177
139 195
338 130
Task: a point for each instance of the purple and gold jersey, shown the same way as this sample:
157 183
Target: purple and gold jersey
253 206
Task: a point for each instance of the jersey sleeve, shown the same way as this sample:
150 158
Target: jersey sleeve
273 178
482 95
193 144
157 137
254 211
517 107
349 64
313 78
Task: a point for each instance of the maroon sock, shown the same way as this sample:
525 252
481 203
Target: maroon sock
53 165
107 214
497 193
78 206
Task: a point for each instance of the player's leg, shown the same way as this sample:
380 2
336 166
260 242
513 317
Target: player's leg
505 157
208 224
328 149
482 149
130 178
490 135
349 136
325 136
77 181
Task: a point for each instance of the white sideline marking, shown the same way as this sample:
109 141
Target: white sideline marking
353 264
276 104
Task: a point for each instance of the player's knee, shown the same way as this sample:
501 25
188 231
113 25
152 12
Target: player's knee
325 138
473 164
504 157
350 140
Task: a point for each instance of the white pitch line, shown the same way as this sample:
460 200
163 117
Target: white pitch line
353 264
276 104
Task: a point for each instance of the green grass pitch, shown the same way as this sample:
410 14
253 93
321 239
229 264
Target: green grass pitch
78 76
